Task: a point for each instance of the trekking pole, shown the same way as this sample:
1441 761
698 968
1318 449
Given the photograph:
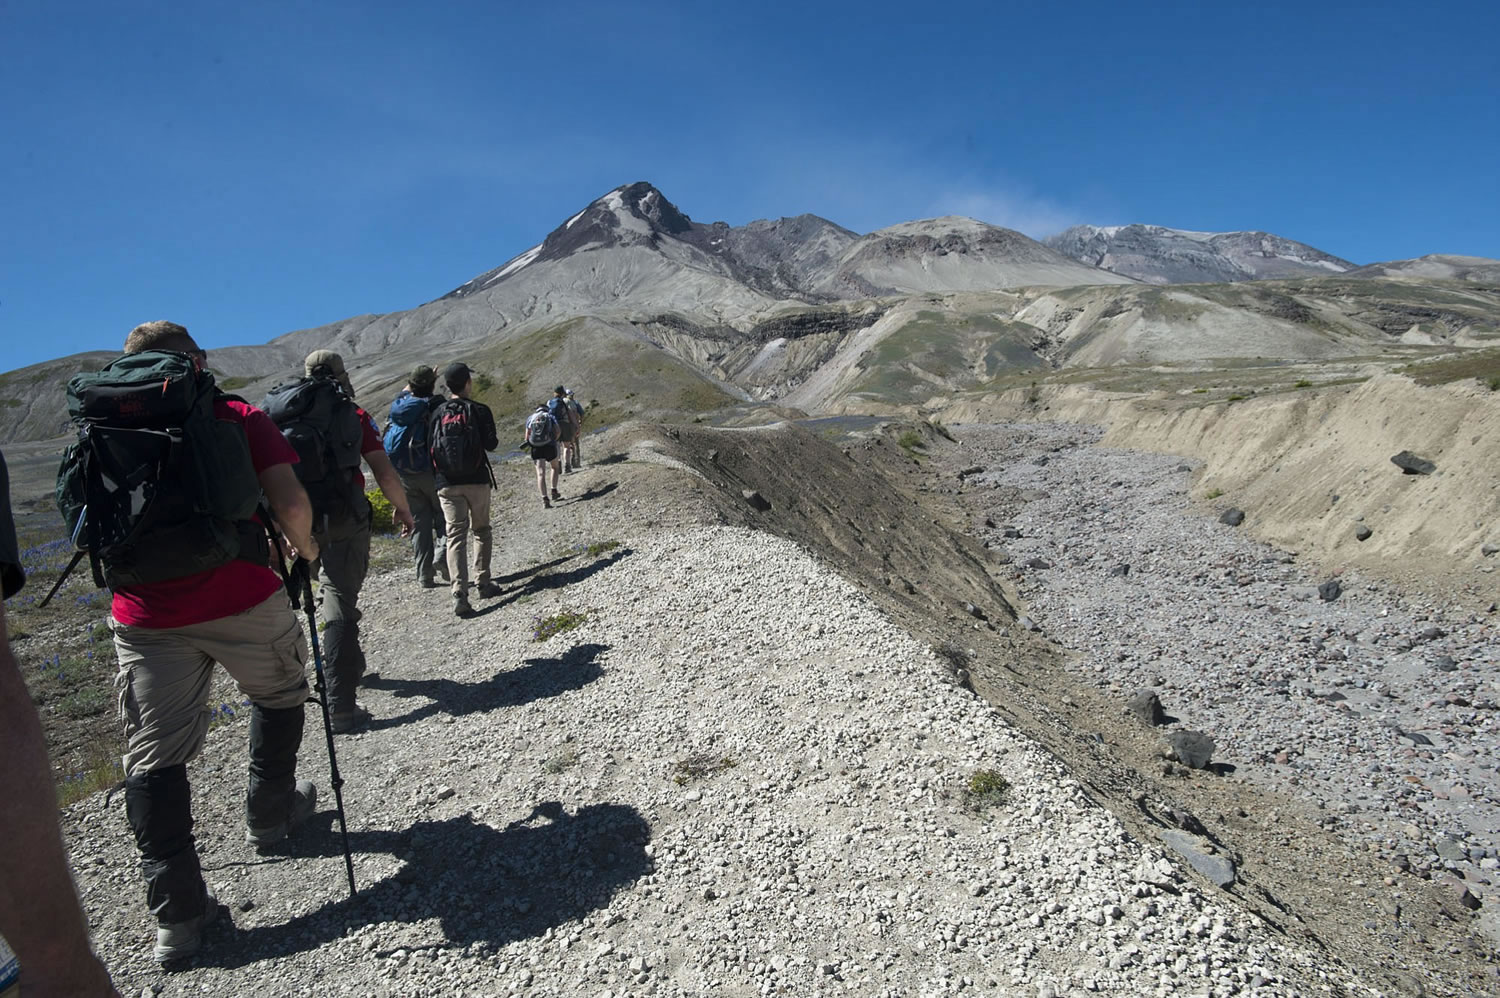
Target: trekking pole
320 688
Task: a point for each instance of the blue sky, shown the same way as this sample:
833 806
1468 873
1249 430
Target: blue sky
251 169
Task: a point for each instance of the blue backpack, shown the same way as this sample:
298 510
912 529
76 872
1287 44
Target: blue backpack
405 438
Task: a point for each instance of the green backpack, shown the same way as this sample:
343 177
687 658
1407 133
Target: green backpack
157 487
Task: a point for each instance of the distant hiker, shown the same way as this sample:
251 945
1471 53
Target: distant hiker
191 586
319 418
407 445
40 919
575 446
461 431
541 434
562 413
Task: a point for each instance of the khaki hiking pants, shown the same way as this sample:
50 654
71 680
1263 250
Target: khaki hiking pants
165 675
466 507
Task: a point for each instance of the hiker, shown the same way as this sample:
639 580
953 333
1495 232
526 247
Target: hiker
575 446
541 436
406 444
174 616
567 429
461 431
40 919
331 433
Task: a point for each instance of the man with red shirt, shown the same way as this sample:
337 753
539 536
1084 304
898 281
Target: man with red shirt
168 635
344 542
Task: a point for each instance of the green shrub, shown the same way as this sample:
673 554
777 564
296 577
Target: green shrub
382 513
1213 493
1495 384
909 440
1302 383
597 548
985 789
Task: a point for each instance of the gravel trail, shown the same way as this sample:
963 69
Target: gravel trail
735 776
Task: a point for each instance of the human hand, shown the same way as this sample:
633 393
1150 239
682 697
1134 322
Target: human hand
403 517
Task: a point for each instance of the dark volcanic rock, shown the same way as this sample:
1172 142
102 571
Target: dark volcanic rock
1120 571
1218 869
1146 705
756 500
1362 532
1192 748
1330 591
1410 464
1233 517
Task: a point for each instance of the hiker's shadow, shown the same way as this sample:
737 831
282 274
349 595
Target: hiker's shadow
485 885
597 491
559 580
526 573
537 679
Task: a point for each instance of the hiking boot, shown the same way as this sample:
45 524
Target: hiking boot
346 722
429 584
304 803
461 607
556 494
546 503
488 590
180 940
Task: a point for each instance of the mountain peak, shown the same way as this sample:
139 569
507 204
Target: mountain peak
633 214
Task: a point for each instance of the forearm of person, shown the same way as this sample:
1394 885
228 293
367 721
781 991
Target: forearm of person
39 913
290 505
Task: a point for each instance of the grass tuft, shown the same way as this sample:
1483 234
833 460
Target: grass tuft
699 765
555 624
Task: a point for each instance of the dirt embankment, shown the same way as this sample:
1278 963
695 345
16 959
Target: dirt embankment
1311 468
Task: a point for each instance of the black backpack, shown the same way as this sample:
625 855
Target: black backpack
455 442
157 487
321 422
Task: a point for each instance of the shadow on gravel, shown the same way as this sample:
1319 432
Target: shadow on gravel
611 459
597 491
486 886
537 679
559 580
526 573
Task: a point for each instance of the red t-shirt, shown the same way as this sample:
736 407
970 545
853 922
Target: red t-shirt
369 440
231 588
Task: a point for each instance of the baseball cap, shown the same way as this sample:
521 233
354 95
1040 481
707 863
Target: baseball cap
326 363
422 378
559 390
456 375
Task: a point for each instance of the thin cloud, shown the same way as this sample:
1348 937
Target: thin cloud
1037 217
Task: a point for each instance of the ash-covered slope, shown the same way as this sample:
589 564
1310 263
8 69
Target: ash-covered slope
953 254
1436 266
1159 255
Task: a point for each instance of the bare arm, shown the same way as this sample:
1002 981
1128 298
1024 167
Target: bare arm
291 507
391 488
39 913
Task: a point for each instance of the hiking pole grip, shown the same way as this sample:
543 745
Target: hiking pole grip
320 686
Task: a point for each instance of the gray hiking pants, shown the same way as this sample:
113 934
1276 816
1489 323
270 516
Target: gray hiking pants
427 514
343 561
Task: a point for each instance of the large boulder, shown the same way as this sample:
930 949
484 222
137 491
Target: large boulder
1191 748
